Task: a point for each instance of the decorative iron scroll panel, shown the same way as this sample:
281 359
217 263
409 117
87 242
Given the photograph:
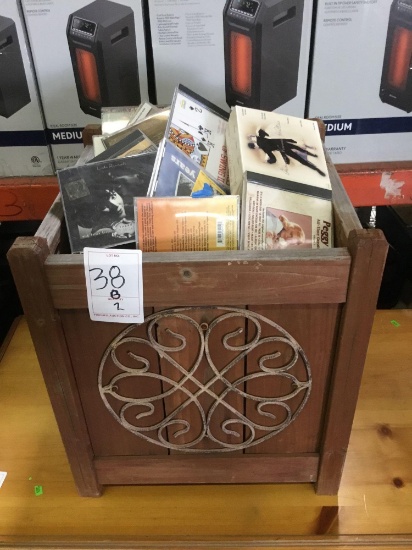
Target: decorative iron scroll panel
282 364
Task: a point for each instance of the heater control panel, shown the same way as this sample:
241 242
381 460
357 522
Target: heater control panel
405 7
83 27
246 8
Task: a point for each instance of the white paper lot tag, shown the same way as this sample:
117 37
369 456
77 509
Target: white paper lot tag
114 282
2 477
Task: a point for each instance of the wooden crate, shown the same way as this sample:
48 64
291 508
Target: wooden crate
247 368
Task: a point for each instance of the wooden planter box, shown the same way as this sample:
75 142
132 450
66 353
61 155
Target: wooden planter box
247 368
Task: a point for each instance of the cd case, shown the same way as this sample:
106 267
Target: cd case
98 200
115 119
198 128
133 144
152 126
175 174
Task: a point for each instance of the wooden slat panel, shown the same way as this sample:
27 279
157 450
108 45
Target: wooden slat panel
345 217
216 279
51 227
369 249
200 383
26 258
87 343
314 328
200 469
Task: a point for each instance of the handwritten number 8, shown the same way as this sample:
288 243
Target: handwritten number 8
114 277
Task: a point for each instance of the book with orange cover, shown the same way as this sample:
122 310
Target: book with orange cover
172 224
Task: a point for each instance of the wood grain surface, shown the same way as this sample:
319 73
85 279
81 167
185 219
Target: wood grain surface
373 508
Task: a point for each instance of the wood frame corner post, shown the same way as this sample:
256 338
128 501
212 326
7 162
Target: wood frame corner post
27 257
368 249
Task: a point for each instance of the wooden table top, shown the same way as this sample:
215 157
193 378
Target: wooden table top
38 499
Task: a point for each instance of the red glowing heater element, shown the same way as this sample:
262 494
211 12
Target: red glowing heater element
87 67
400 59
241 63
396 81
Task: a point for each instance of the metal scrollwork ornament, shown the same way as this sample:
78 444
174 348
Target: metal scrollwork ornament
234 417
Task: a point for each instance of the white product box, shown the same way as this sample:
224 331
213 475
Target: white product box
87 54
362 82
249 52
23 143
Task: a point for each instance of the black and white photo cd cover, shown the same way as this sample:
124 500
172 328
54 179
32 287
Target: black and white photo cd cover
98 200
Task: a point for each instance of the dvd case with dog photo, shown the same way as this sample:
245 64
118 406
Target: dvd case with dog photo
277 165
276 217
279 146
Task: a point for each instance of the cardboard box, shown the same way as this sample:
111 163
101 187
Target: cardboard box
23 144
191 46
87 55
361 80
277 166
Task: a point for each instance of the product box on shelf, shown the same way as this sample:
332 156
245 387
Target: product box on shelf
361 80
23 143
87 55
244 52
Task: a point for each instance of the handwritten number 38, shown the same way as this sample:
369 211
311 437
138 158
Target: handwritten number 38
116 279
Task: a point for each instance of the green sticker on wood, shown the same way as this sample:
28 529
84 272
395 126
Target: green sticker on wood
395 323
38 490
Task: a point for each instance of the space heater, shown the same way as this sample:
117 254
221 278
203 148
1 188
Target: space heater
396 83
102 43
14 91
262 48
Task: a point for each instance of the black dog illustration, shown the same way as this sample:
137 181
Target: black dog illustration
286 147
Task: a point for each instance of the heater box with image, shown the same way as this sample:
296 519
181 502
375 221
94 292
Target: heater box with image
396 83
84 55
365 99
262 40
23 141
188 46
14 91
102 42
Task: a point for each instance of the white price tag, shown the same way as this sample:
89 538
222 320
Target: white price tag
2 477
114 281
